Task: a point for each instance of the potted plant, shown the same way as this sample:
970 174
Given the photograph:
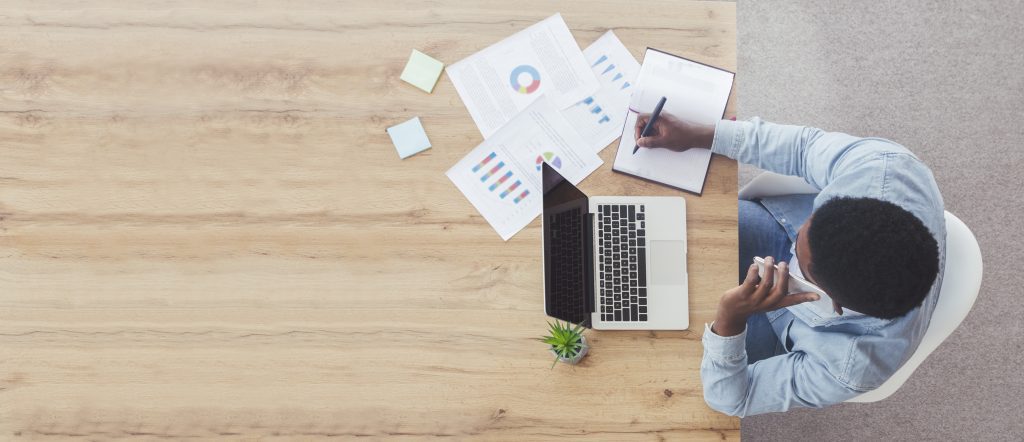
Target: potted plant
567 342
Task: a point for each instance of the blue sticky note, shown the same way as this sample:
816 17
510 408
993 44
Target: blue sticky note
409 138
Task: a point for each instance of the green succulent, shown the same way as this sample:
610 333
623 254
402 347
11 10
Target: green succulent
566 341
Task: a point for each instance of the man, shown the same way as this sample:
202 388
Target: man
873 239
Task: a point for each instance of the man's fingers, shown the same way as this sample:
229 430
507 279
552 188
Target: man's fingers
650 141
797 298
641 121
752 278
769 277
782 280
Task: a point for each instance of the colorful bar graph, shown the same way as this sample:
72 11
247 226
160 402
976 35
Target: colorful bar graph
521 196
486 160
510 189
491 172
503 178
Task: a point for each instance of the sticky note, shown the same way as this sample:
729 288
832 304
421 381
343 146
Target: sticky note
409 138
422 71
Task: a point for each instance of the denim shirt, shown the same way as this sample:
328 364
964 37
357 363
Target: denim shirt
829 358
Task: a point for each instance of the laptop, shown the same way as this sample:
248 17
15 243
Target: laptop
613 262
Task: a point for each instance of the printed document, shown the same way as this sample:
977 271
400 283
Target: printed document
599 117
502 176
506 77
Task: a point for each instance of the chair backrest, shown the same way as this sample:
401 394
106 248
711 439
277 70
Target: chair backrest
961 279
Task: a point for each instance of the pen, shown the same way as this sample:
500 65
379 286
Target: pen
650 123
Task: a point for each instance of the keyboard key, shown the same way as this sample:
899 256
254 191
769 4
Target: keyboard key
643 309
632 257
632 267
633 291
617 296
616 273
642 266
634 315
643 224
641 242
643 317
632 234
632 243
608 268
633 276
618 315
641 208
639 217
640 232
632 250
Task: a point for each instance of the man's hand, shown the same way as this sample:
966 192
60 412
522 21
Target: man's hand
672 133
756 295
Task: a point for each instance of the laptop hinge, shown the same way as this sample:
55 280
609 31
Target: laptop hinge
588 261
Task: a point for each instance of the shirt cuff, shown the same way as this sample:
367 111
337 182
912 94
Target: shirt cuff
730 348
728 138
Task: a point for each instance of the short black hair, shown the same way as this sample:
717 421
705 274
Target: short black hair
872 256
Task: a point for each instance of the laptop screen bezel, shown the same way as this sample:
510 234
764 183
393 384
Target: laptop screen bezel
555 203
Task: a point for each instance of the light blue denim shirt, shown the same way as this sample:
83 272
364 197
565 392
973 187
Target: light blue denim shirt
829 358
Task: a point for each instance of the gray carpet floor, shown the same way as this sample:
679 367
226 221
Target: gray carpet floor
944 79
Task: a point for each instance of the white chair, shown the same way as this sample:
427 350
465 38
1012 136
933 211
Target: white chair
960 282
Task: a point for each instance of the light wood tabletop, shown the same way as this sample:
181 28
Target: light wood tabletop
205 232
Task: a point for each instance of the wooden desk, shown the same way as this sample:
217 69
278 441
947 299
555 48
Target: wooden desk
205 232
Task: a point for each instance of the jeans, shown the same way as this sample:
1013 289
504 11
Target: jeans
760 235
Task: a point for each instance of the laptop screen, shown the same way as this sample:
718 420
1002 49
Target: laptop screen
568 254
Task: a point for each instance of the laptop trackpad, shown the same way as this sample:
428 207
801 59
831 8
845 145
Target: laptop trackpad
668 262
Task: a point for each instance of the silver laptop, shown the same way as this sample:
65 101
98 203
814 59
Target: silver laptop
613 262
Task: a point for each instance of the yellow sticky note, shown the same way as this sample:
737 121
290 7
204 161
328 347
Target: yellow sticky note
422 71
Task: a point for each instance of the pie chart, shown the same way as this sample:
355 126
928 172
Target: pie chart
527 88
552 159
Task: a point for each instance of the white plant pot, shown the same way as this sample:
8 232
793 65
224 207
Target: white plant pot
575 359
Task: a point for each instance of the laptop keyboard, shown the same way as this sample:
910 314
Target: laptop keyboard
622 263
567 235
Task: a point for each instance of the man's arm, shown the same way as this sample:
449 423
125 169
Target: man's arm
819 157
774 384
779 383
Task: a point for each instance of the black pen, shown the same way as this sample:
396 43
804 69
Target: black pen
650 123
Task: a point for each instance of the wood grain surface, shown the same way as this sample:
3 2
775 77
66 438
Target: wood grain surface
205 232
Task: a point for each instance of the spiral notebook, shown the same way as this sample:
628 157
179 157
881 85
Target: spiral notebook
694 92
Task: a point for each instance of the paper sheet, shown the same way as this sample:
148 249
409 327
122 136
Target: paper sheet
599 117
506 77
695 93
409 138
502 176
422 71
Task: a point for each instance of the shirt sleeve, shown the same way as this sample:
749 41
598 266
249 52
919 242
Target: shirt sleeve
819 157
791 380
